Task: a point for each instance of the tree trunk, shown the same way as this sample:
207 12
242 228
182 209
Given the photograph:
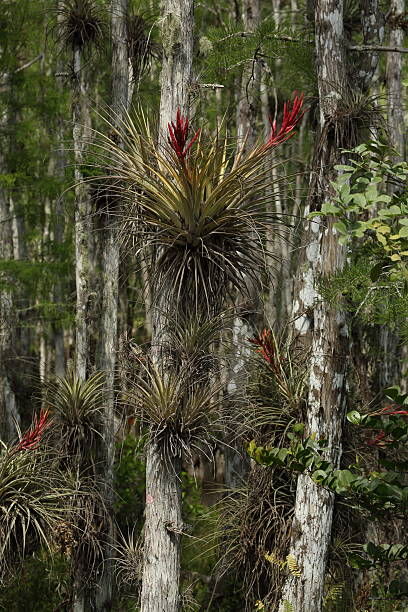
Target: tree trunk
8 404
323 329
80 132
110 285
161 556
394 78
236 459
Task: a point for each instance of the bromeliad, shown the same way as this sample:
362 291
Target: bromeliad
178 136
32 438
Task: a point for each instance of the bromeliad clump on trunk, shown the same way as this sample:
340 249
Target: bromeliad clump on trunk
201 212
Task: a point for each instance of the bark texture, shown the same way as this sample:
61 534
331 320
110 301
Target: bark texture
394 78
80 133
323 329
8 404
161 555
110 287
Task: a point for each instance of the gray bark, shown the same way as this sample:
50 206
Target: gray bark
8 404
110 285
161 556
394 79
236 459
324 331
80 133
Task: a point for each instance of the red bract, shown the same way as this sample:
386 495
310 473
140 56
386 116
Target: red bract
178 136
32 437
291 118
392 410
266 346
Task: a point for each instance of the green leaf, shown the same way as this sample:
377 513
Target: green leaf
340 227
354 417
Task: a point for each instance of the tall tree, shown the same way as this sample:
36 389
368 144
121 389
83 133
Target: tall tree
161 553
394 78
322 327
106 359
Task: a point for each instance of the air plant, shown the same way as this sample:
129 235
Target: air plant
142 49
202 213
76 408
80 23
181 411
34 496
253 521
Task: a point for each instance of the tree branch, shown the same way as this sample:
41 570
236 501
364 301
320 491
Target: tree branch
378 48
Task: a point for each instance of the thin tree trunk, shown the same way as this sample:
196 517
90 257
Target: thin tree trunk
236 459
323 328
161 555
110 287
396 124
8 404
81 122
80 133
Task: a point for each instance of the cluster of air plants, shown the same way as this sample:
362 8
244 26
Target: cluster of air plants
182 406
80 23
255 522
198 209
76 407
34 496
142 47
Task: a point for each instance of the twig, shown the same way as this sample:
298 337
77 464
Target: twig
30 63
378 48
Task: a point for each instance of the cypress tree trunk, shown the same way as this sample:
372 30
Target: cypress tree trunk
236 459
161 564
8 404
110 284
323 329
80 132
394 78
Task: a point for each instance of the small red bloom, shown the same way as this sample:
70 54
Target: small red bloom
33 436
392 410
291 118
266 348
178 136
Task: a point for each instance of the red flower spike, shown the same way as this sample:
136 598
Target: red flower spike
33 436
390 410
290 120
266 348
178 136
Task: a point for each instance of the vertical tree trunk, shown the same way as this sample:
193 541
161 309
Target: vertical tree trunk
8 404
394 78
323 328
161 564
236 460
80 132
110 285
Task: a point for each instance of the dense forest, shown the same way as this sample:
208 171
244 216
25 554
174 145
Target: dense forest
203 305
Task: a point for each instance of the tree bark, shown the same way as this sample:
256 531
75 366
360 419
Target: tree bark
394 79
161 555
110 287
80 133
323 329
236 459
8 404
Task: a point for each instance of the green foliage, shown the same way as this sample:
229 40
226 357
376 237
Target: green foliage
42 583
375 491
370 208
361 187
129 483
